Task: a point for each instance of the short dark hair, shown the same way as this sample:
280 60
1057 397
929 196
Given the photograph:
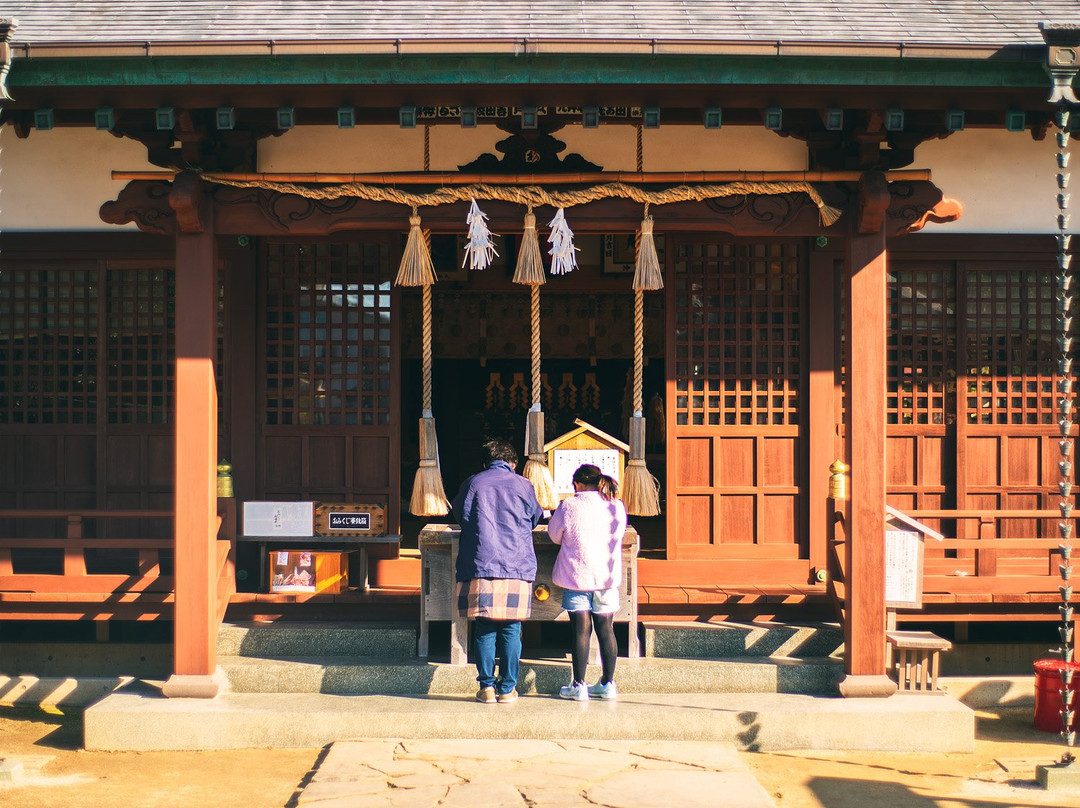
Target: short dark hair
498 449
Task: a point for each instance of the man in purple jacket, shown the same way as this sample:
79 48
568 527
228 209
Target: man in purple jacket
496 565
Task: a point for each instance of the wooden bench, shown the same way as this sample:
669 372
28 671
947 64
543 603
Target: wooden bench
916 659
145 591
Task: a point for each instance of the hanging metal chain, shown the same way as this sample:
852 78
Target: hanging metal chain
1065 424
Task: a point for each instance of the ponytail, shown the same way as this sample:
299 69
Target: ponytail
608 487
590 478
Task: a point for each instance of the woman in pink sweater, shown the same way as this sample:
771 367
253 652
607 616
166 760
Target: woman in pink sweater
589 527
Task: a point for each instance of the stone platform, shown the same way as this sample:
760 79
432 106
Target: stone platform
766 721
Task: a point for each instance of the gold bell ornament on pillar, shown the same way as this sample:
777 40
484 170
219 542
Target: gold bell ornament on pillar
838 480
224 479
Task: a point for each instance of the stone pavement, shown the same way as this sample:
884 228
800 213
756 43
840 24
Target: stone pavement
535 773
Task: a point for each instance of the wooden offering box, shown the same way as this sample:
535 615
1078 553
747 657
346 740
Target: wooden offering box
438 557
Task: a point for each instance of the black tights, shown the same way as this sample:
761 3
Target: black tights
605 634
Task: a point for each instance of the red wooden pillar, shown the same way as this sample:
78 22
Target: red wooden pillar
864 630
195 639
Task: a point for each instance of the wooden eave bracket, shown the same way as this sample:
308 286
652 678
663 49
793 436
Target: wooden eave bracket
188 198
947 210
873 202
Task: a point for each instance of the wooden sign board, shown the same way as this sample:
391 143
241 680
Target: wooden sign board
904 544
274 519
903 569
349 519
585 444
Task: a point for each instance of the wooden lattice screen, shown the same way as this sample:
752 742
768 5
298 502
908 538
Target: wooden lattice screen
921 346
1011 343
140 350
327 334
737 334
48 348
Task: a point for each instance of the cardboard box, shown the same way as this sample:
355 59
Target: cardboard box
308 572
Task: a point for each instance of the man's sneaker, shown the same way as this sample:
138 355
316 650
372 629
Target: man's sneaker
608 691
505 698
486 695
578 691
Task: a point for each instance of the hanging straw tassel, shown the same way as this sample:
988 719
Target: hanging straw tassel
647 275
536 469
428 495
641 490
416 268
562 252
480 249
530 271
530 264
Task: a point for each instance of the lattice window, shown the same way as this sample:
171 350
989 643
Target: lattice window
140 353
1011 346
48 346
921 347
327 334
737 334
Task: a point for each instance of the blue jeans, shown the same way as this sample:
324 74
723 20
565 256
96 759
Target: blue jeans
503 637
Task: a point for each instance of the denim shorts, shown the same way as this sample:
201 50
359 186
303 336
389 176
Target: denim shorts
602 601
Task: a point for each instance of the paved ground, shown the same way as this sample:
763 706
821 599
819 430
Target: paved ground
46 769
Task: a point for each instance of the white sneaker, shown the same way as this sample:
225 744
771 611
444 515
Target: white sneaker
608 691
578 691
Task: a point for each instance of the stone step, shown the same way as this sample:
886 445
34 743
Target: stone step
284 639
341 675
726 640
766 721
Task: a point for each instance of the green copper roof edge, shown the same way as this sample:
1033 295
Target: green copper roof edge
524 70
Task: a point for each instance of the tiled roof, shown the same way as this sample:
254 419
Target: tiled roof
997 23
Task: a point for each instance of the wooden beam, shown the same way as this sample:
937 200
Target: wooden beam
864 630
195 638
463 178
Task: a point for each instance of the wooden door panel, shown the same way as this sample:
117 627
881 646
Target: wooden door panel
781 462
781 519
738 522
282 464
738 462
983 461
326 459
694 462
370 471
695 519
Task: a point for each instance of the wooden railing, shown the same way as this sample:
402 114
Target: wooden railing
980 576
134 585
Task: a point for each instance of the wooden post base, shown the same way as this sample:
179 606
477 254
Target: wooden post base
866 687
195 686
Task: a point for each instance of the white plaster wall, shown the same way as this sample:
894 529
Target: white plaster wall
388 148
1005 180
372 149
58 179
